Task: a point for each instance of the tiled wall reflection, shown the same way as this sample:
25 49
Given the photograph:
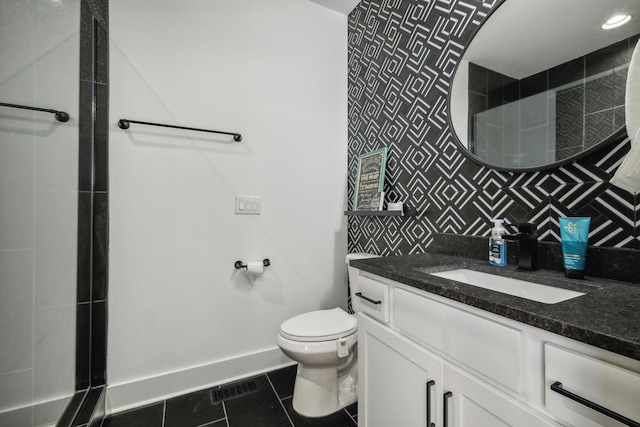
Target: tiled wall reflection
568 109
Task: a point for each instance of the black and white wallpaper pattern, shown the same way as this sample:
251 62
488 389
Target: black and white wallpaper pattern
402 56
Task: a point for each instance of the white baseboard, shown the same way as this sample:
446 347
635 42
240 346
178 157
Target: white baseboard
140 392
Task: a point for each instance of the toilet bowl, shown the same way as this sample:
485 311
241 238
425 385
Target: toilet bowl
324 343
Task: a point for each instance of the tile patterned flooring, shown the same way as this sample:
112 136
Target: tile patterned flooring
269 405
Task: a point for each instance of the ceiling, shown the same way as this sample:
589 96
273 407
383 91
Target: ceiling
341 6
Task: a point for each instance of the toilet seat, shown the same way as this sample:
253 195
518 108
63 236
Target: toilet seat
320 325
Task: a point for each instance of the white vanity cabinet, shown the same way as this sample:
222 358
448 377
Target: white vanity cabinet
403 384
434 362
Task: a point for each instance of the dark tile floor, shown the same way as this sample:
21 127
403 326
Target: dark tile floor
263 401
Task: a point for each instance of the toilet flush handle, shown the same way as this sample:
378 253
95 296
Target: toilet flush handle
343 348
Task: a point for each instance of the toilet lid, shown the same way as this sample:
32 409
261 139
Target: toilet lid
320 325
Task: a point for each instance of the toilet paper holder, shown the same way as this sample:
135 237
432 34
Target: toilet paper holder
240 264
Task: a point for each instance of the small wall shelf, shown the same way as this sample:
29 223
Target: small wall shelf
408 211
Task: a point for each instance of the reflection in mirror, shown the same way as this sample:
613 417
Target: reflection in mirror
542 83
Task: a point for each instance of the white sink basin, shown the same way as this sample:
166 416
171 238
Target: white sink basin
507 285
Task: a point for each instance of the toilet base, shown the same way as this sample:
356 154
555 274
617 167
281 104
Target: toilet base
319 392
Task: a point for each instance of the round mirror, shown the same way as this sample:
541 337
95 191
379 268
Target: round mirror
542 83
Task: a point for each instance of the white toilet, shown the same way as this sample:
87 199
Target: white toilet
323 342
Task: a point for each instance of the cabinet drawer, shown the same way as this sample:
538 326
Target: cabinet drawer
490 348
371 297
602 383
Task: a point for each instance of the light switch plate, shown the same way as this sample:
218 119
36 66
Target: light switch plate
248 205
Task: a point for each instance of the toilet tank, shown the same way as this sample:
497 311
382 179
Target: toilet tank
368 296
356 255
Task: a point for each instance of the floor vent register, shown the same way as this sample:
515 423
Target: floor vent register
234 391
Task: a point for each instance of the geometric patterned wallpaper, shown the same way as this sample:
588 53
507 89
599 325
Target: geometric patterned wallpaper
402 55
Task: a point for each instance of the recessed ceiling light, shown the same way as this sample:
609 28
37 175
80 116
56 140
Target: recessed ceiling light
616 21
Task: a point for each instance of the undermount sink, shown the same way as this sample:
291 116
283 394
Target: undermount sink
520 288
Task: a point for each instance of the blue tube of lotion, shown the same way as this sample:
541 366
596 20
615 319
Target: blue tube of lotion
575 236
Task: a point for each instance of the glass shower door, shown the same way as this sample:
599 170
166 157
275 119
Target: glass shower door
39 47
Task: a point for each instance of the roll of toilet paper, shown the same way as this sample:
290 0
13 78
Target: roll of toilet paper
255 268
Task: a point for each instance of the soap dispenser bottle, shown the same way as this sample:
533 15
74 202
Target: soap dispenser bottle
497 245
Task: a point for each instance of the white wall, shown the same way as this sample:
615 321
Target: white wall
39 47
276 72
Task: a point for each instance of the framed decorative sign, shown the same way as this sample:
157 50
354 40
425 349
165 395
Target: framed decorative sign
370 181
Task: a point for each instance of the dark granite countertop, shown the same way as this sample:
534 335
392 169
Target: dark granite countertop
608 316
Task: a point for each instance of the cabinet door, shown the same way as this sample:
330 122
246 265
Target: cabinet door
399 383
468 402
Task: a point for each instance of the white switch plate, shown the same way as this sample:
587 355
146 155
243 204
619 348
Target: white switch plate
248 205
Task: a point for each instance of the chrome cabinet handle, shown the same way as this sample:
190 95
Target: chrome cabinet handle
429 385
359 294
557 387
445 416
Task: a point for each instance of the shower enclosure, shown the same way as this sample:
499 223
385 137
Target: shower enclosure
46 217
